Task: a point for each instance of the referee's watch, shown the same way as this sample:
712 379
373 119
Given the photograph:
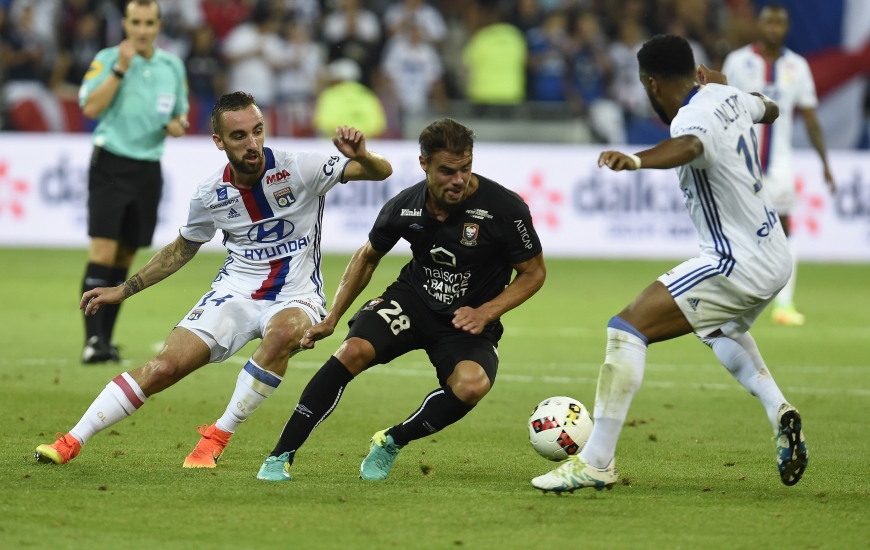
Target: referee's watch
116 70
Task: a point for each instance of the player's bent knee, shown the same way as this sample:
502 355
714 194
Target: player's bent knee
355 354
470 388
158 374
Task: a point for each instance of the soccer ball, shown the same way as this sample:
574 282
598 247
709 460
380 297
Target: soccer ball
559 427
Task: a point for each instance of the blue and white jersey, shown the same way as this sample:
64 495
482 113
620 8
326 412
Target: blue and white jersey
724 192
272 231
789 82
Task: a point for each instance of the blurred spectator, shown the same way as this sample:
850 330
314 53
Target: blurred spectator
548 63
180 19
418 13
347 102
495 58
42 20
300 66
414 72
591 71
223 15
205 79
526 15
303 12
28 102
626 87
247 50
81 36
353 33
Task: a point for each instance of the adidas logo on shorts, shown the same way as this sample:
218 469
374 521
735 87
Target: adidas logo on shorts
233 214
694 303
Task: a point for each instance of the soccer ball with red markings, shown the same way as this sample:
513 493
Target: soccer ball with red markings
559 427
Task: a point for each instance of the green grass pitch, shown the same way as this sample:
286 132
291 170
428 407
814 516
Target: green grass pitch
696 458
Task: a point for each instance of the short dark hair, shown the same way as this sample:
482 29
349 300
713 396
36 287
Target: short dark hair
446 135
667 56
143 3
235 101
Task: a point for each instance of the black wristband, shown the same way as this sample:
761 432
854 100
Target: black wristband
117 72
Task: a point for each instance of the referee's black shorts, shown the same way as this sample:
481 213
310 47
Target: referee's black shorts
123 195
399 321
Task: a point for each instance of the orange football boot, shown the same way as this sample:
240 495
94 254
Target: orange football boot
209 449
61 451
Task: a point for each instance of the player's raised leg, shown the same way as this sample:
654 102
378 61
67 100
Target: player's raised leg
260 376
182 353
465 387
652 317
741 357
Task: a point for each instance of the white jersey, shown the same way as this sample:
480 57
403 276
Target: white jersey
723 190
272 231
787 81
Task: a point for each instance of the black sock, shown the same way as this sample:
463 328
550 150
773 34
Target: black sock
440 409
318 400
95 276
118 276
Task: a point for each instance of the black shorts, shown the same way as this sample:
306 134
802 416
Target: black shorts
399 321
123 195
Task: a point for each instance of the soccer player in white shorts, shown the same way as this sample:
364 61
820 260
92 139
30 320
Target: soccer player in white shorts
269 205
744 259
784 76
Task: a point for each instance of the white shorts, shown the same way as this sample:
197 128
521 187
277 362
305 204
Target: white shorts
226 320
782 192
712 301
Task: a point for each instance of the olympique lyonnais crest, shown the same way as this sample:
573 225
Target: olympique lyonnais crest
195 314
284 197
470 231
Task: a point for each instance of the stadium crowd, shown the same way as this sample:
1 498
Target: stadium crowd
311 63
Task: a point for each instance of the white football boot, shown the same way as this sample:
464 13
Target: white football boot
575 474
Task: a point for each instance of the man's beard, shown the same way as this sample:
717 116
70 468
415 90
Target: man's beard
659 109
243 167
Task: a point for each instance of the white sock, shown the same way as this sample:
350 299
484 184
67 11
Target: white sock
254 385
743 360
121 398
785 297
618 382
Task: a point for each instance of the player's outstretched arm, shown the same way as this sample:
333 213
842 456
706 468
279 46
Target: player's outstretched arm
364 164
167 261
356 277
670 153
530 278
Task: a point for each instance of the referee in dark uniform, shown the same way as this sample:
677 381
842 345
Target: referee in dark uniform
468 235
139 95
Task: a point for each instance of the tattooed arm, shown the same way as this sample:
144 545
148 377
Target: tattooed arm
166 262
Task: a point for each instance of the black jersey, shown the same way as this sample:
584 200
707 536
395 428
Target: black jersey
466 259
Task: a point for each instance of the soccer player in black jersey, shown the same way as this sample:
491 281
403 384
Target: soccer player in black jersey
467 235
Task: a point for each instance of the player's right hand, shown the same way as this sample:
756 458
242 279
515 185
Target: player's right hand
350 142
318 332
706 76
93 299
126 51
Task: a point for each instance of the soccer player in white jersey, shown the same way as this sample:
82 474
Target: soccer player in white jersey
784 76
744 260
269 205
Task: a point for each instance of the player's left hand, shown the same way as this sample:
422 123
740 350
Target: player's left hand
829 179
616 161
177 127
350 142
469 319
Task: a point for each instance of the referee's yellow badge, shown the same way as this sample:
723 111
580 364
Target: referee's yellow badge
95 69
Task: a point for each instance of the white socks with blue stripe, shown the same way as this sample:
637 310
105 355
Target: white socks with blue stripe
618 382
743 360
254 385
